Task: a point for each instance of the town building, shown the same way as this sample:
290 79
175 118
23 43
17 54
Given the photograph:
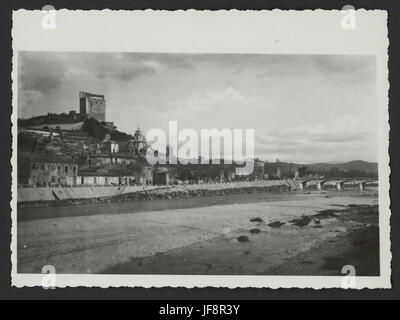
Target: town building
280 170
52 172
165 174
104 178
133 175
136 146
258 170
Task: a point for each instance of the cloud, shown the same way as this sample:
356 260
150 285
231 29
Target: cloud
228 97
28 98
359 67
126 72
124 66
341 63
45 71
41 75
129 66
339 138
174 61
342 129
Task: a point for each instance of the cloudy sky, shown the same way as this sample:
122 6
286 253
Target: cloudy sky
303 108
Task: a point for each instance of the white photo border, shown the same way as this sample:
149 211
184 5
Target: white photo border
222 31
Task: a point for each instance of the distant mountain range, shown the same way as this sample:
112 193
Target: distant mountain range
358 165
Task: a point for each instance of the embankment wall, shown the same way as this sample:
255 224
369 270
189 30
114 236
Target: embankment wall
48 195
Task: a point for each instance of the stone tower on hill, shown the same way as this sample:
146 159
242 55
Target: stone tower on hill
92 106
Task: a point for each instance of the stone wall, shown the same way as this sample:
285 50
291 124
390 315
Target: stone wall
63 193
50 195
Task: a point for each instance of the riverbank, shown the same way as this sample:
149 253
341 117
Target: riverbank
143 205
242 238
64 196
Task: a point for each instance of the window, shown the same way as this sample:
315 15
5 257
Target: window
53 179
33 166
66 169
95 180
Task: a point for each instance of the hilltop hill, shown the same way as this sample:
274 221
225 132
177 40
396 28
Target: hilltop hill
97 130
358 165
50 119
73 122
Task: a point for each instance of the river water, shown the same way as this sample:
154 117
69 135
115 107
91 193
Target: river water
165 204
147 205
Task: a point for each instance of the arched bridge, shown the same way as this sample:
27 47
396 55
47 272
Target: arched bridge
339 183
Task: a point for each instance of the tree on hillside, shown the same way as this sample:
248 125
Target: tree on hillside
303 171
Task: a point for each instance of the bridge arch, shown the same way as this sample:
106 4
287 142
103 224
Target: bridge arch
363 184
339 184
303 184
320 184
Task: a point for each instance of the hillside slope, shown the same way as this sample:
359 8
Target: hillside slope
358 165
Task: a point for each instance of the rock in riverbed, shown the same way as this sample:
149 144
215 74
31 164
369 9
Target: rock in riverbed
301 222
243 239
276 224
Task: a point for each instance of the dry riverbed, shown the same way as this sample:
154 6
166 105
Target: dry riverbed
318 245
312 235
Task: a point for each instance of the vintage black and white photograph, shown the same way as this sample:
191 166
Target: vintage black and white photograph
200 163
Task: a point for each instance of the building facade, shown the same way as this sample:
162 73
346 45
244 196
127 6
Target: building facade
136 146
53 173
139 175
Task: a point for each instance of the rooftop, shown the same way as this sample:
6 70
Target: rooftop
49 158
105 173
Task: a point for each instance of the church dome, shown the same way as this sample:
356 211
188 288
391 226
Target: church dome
138 136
